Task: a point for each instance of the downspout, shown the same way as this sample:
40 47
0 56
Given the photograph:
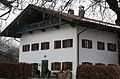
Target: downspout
78 44
118 52
118 38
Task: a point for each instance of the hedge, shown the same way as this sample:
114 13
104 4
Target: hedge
98 71
15 70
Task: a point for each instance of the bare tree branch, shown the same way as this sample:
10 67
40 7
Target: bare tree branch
15 5
6 3
5 13
114 6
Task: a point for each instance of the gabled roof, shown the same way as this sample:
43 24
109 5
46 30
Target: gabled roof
32 12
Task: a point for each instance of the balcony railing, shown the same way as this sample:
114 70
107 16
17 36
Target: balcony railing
38 25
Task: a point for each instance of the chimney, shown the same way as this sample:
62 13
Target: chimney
71 11
81 11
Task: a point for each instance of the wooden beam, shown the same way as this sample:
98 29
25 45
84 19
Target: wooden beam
30 32
57 27
72 25
43 30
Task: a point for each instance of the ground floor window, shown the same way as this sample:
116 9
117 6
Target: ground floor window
56 66
66 65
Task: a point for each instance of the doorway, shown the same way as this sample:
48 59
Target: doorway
44 68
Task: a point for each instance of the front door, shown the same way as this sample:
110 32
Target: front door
44 68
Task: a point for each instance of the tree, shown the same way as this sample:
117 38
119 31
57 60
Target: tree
8 5
8 48
115 7
18 4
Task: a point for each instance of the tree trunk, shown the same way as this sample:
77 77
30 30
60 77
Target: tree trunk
114 6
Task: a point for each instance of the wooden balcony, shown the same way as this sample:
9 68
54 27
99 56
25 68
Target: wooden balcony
55 21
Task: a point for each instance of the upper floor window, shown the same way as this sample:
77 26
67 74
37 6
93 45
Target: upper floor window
67 43
44 45
86 43
56 66
57 44
111 46
100 45
35 47
26 48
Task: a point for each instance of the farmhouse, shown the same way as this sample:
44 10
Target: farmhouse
57 40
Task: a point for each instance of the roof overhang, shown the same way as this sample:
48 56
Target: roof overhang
32 12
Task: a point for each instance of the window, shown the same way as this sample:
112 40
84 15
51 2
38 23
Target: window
35 47
44 45
34 68
57 44
26 48
66 65
111 46
100 45
86 43
56 66
67 43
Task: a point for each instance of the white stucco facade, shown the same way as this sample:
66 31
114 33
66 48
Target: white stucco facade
94 55
52 55
68 54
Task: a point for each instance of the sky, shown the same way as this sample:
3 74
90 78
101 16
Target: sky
109 15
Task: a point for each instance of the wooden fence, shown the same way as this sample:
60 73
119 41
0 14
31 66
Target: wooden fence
15 70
